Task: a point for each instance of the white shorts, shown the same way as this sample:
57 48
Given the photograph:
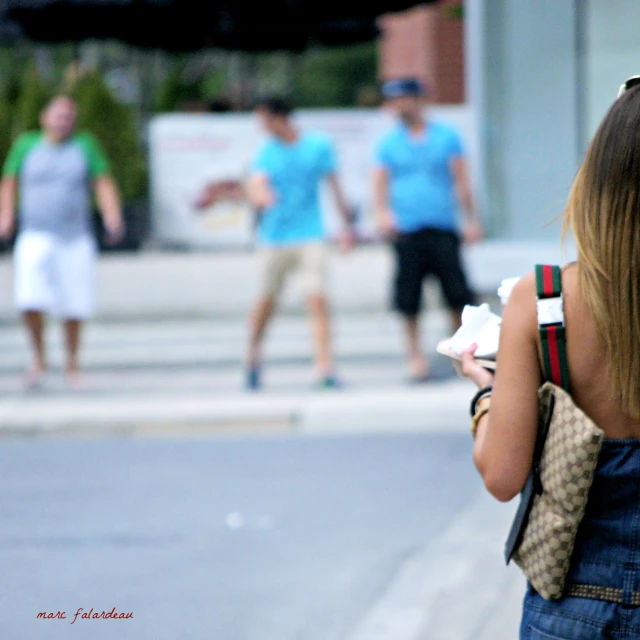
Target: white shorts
54 275
309 260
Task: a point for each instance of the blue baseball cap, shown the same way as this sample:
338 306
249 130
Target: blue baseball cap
403 87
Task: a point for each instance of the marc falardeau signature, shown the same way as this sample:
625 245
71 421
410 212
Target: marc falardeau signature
81 614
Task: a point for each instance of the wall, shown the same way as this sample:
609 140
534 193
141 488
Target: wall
426 43
192 155
612 43
528 113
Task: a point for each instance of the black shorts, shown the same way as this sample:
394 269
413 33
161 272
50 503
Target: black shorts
424 253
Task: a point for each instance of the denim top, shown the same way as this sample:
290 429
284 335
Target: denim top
607 546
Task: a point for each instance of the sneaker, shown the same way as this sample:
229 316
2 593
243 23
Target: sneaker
253 379
329 382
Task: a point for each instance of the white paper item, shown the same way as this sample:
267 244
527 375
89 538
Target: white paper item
504 291
481 326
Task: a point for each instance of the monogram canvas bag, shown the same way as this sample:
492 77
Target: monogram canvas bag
555 496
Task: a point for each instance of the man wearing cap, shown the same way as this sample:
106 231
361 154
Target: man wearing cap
420 180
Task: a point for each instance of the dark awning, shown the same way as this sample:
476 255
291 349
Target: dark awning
9 29
187 25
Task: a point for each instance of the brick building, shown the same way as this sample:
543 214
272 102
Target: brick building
426 42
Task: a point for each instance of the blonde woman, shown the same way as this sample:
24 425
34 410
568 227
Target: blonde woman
601 294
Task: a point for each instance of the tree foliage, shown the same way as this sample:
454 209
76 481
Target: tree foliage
334 77
32 96
115 127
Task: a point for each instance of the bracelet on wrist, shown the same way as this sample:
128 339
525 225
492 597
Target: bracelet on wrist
482 393
476 420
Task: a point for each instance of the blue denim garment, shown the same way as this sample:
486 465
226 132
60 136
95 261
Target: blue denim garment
606 553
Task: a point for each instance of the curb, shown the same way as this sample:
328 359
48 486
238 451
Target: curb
441 408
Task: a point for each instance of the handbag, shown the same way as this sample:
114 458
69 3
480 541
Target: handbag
568 442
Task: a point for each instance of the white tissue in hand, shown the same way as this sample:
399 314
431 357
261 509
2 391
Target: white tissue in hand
505 289
481 326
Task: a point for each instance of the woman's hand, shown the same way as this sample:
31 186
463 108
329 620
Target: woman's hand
469 368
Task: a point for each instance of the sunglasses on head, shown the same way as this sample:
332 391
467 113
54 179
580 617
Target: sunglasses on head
631 82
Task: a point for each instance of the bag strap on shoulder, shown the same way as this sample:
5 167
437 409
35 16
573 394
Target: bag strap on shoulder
551 324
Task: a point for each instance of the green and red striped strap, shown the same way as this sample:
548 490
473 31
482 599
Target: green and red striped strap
551 325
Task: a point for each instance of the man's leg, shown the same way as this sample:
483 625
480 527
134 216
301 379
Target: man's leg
72 329
34 323
76 262
407 299
456 319
34 294
449 269
321 329
418 364
258 321
274 265
313 266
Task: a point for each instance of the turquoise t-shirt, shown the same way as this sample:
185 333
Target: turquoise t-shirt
421 183
295 171
55 181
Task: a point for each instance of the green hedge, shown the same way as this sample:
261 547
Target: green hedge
114 125
333 77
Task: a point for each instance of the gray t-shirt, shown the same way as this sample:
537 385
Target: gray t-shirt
55 182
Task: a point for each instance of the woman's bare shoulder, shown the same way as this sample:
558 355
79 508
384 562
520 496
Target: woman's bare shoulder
526 285
521 309
570 278
523 295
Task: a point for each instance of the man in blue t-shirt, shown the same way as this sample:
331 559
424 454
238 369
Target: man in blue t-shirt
420 178
284 188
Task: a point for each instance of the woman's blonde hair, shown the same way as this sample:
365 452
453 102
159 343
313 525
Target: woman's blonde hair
604 214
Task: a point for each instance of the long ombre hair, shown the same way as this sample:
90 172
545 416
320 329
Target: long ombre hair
604 214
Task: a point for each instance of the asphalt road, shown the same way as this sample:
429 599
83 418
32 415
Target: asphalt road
227 538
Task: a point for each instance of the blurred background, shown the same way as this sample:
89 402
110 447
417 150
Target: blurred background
164 488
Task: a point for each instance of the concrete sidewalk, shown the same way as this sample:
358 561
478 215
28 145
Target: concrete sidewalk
187 376
437 407
151 284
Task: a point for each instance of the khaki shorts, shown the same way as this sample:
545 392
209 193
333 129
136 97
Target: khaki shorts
309 260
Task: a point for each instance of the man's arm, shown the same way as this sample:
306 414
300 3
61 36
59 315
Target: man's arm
473 228
340 200
8 188
9 183
108 200
259 191
347 236
383 214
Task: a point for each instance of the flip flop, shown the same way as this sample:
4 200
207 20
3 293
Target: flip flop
34 380
76 381
422 379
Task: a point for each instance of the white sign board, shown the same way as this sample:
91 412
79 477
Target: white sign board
200 162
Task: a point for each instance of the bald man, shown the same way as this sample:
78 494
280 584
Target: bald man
53 171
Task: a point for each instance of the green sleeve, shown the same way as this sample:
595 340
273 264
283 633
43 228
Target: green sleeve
96 158
18 152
